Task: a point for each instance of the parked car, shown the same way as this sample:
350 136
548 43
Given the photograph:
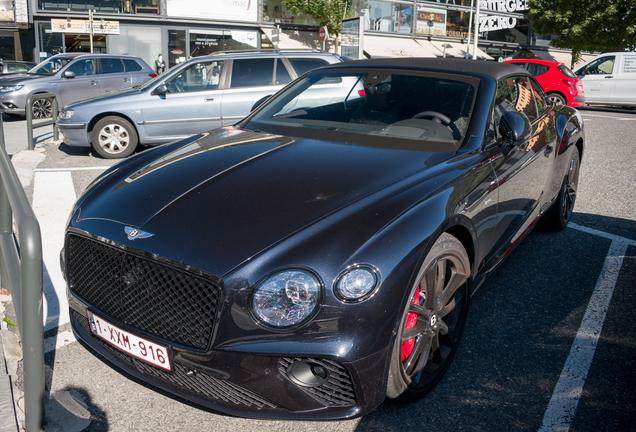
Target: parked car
316 257
610 79
71 77
13 66
558 81
194 97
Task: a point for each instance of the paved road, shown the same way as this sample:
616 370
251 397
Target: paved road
516 368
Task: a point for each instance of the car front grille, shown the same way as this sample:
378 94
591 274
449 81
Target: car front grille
337 391
187 378
148 295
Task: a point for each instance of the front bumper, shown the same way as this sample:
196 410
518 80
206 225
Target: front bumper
74 134
10 108
249 384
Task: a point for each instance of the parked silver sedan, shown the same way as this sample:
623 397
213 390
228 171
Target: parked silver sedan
199 95
71 77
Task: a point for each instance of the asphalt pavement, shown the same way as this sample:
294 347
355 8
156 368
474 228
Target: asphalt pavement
549 343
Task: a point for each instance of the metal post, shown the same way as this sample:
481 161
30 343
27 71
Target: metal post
90 26
470 29
476 39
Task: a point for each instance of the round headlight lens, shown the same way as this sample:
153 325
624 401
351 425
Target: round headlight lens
356 283
286 298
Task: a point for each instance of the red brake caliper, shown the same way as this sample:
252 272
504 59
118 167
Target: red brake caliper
411 320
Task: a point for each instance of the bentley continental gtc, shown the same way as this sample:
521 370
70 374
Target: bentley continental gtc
319 255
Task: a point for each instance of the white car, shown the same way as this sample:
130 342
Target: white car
610 79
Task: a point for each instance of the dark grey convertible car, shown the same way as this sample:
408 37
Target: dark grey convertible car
319 255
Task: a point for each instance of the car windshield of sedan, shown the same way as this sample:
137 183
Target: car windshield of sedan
379 103
50 66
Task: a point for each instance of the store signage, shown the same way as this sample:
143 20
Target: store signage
431 21
78 26
352 38
506 5
494 22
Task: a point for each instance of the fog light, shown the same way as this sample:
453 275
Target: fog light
308 374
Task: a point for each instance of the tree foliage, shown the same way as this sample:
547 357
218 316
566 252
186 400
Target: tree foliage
586 25
330 13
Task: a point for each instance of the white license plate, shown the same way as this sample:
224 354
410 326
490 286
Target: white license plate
141 348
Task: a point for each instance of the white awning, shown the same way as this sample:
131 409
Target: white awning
295 39
385 46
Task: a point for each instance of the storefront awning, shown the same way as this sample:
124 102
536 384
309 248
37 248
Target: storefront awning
295 39
384 46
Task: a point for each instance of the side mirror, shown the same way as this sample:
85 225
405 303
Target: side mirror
260 102
68 74
161 90
515 127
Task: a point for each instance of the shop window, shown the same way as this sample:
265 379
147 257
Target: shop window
388 17
146 7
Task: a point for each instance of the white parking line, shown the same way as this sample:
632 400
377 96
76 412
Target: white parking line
569 388
609 117
53 199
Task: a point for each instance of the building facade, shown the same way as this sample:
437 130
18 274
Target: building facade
180 29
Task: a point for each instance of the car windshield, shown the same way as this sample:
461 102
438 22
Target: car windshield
50 66
415 106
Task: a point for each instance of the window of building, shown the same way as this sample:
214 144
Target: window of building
144 7
274 11
386 16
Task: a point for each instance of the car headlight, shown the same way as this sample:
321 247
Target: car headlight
11 88
66 114
357 283
286 298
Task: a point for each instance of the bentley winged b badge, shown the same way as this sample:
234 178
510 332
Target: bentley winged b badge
134 233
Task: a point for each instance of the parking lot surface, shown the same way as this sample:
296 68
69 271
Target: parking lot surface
549 344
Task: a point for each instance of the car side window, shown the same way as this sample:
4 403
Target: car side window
602 66
111 65
82 67
252 72
303 65
196 77
132 65
282 76
537 69
539 97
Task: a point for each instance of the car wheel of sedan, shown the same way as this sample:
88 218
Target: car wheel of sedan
557 99
432 322
41 108
561 211
114 137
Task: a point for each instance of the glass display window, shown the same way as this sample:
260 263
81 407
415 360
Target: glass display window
386 16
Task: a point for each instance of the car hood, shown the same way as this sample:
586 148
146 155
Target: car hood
20 78
106 97
218 199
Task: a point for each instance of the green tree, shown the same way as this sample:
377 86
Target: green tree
586 25
330 13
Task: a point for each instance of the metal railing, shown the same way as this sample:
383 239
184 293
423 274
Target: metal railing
29 117
22 268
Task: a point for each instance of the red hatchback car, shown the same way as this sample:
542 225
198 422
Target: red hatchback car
558 81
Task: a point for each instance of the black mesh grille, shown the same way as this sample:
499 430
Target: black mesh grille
187 378
337 391
150 296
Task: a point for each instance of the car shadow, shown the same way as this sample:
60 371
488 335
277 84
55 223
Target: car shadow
519 332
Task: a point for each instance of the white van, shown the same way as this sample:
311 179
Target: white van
609 79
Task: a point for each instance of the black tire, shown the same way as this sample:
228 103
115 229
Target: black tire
41 108
561 212
432 324
114 137
557 98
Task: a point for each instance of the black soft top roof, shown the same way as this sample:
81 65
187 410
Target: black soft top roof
493 69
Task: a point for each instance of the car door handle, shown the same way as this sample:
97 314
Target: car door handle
126 79
548 150
93 82
609 76
209 99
